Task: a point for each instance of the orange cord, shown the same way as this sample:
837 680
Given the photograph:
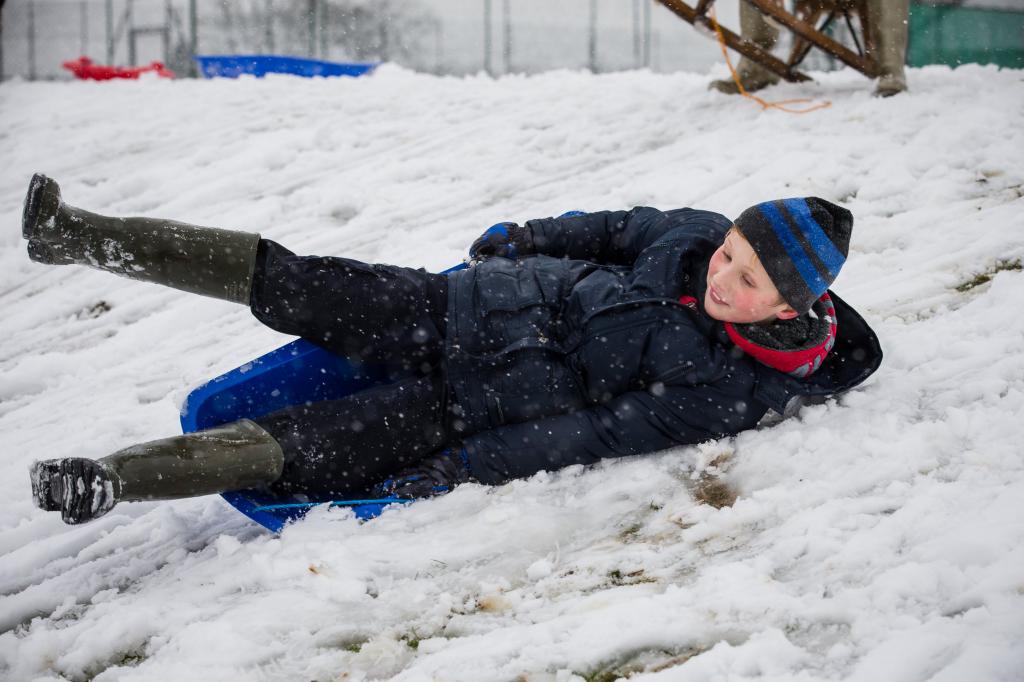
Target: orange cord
781 106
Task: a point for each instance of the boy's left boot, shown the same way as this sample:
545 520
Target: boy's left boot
233 456
201 260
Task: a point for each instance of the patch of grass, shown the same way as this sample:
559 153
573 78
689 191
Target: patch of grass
126 659
714 492
617 578
601 676
641 661
630 532
350 643
130 659
493 603
710 489
986 276
679 659
94 311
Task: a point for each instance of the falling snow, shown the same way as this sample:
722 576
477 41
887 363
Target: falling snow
879 536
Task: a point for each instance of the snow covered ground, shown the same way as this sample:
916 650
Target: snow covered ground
879 536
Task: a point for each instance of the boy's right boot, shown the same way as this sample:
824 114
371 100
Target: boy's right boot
200 260
233 456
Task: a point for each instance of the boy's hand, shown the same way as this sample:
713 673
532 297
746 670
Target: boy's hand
505 240
435 475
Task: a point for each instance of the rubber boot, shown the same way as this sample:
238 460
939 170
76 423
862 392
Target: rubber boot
234 456
890 25
755 28
200 260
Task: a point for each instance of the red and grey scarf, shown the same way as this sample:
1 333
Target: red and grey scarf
796 347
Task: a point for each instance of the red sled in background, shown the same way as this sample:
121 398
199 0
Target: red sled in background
85 69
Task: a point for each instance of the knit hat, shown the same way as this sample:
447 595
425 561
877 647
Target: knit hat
802 243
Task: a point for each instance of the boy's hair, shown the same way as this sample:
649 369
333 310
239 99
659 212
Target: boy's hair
802 243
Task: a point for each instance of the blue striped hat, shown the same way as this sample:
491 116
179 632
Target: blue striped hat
802 243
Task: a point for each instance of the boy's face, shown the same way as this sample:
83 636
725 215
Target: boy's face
739 289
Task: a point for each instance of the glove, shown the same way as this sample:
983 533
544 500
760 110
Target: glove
506 240
434 475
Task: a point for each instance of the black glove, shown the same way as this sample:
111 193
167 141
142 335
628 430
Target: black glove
506 240
434 475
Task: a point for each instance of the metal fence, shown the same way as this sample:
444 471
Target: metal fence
38 35
952 34
438 36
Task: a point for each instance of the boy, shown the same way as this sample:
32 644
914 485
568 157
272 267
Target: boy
572 339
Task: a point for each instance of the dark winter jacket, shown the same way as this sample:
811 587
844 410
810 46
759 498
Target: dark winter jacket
584 350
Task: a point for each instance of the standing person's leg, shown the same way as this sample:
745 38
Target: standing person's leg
890 26
755 28
382 314
342 448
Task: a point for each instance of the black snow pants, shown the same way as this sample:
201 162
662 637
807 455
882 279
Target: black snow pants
381 314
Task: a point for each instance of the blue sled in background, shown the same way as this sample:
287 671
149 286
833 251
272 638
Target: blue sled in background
293 374
259 65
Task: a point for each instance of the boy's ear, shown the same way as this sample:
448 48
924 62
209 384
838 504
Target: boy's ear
787 313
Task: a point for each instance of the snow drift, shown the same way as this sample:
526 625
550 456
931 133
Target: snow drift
878 536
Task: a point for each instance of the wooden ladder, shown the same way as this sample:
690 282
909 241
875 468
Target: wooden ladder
808 23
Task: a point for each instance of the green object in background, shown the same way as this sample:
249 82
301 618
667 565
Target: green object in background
944 34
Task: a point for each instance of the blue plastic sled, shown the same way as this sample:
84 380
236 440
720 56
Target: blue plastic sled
259 65
295 373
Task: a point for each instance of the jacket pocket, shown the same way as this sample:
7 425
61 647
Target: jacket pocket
496 291
532 384
507 286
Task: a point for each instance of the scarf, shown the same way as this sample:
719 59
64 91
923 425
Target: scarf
796 347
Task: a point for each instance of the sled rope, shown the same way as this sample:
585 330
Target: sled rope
333 503
782 105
